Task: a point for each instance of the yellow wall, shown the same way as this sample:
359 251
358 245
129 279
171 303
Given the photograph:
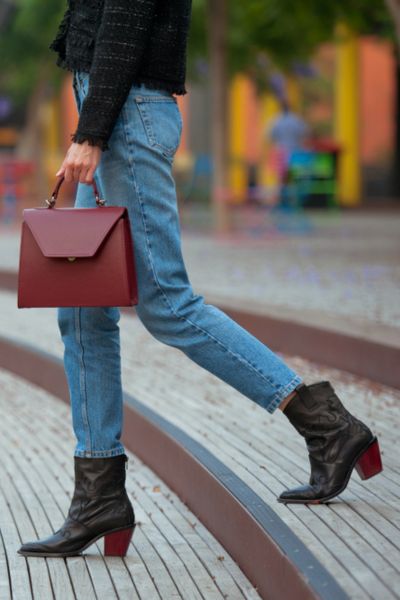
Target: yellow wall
347 106
237 135
269 109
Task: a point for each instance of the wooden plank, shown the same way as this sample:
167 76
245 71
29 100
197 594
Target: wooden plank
43 515
124 584
222 569
5 580
45 511
38 571
19 570
57 572
187 572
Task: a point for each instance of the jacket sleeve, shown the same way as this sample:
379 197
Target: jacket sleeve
120 42
58 43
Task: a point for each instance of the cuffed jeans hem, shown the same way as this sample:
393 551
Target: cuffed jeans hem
99 453
283 393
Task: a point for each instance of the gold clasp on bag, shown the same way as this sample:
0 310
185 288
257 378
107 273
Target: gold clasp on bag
71 258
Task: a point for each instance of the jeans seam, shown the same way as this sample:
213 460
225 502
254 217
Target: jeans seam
183 318
283 393
82 378
87 453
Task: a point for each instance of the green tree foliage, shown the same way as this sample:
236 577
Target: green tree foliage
286 30
24 53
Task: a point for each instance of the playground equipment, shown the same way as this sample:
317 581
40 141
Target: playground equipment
311 180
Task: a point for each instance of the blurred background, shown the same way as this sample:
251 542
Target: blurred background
292 105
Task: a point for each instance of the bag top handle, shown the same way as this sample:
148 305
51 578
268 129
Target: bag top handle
50 203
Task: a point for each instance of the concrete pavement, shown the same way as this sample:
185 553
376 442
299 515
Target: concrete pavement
339 271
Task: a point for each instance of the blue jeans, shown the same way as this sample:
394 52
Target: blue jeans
136 172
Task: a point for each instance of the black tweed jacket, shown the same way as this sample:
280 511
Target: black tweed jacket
120 43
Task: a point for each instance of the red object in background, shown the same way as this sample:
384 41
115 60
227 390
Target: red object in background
278 160
18 187
14 175
324 145
13 167
377 83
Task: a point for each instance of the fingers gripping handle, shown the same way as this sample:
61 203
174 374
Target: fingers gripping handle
50 203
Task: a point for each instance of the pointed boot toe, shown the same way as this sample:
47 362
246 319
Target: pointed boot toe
31 548
38 547
301 494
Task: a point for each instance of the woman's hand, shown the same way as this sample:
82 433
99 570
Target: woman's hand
80 162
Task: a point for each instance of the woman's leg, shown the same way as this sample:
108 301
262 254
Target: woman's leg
100 505
92 360
92 366
136 172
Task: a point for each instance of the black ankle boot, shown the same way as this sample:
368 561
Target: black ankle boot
336 441
100 507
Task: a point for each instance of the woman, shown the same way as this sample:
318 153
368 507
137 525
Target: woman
128 58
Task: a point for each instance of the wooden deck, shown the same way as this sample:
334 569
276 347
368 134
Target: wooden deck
356 537
171 554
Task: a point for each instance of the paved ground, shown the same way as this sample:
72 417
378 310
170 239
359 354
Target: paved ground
356 537
338 271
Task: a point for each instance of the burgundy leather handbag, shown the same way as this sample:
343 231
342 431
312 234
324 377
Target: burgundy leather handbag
76 256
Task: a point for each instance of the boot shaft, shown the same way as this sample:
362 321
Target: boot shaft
104 476
319 416
317 406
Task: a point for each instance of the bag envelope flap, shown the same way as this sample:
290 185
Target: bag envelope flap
65 232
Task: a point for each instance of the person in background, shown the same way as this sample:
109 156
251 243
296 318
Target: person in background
288 132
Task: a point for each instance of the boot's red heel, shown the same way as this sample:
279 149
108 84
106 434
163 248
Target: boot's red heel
116 544
370 462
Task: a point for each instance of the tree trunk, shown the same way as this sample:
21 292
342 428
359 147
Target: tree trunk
395 175
394 9
217 26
